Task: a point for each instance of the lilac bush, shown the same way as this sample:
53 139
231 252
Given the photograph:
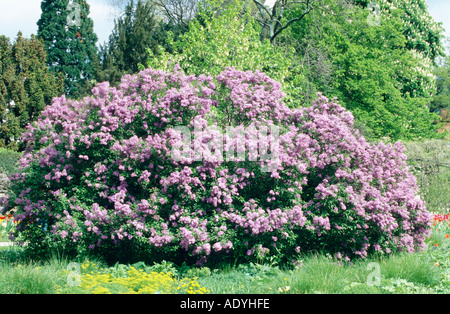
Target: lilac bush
100 176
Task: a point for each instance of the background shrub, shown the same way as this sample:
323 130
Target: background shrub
430 162
9 160
99 176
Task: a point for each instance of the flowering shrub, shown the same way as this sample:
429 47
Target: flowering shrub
102 175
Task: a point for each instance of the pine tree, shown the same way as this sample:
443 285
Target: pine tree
131 36
68 34
26 86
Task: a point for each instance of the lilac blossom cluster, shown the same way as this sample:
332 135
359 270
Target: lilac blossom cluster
100 172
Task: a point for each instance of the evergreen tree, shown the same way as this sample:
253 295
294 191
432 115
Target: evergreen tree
132 35
26 86
68 34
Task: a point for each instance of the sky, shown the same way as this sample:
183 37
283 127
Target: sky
22 15
440 11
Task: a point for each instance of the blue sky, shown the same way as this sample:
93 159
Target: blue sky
22 15
440 11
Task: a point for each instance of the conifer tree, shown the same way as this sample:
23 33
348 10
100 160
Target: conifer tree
68 34
132 35
26 86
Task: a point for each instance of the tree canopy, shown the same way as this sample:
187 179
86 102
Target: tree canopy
68 35
374 70
26 86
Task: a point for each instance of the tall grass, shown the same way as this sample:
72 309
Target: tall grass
321 274
30 277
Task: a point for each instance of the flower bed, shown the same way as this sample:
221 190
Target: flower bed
7 223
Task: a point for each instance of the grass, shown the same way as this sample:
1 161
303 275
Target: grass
29 277
321 274
400 273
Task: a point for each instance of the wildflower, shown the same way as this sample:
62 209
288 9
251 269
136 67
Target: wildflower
285 289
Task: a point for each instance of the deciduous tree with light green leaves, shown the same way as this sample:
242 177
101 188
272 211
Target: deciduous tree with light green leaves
228 36
374 73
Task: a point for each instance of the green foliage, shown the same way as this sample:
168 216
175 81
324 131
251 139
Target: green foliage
430 162
29 278
129 279
9 160
71 47
379 72
228 37
26 86
422 33
374 73
442 98
132 35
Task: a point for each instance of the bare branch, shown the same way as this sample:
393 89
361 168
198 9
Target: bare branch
307 10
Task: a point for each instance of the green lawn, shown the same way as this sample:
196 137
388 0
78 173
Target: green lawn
400 273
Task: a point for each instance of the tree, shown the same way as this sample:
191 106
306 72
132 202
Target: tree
442 98
68 35
228 37
423 38
422 33
372 71
272 15
26 85
171 11
132 35
177 11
